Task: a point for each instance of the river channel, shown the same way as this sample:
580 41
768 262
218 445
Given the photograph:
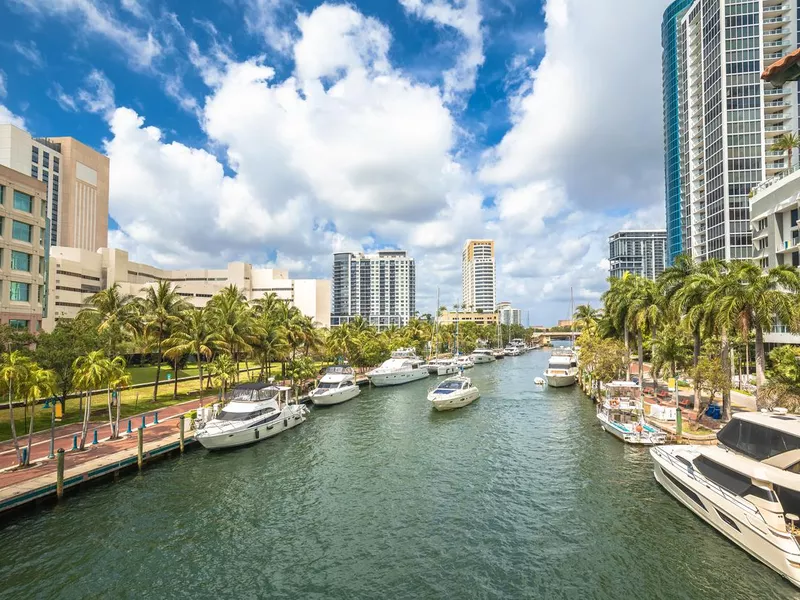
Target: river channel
520 495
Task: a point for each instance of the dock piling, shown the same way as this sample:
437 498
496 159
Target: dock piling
60 473
182 424
140 446
155 418
94 438
75 442
129 427
143 423
24 457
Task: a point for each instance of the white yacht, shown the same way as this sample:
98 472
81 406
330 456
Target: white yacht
255 412
453 393
403 367
562 368
464 362
498 353
511 350
442 366
747 487
481 356
337 385
621 414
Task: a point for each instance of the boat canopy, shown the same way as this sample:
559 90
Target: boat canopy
256 392
340 370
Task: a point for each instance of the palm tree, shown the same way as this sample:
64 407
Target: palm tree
161 309
119 379
114 313
91 371
644 306
223 370
786 142
234 320
194 335
14 370
585 316
40 383
618 299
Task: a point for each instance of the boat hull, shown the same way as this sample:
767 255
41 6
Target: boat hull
648 437
482 359
560 379
453 401
397 378
336 396
245 437
778 550
447 369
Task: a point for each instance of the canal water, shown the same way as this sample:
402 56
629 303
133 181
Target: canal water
520 495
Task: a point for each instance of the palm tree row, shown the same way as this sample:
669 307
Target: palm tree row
697 310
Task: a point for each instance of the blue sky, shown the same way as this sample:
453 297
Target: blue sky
278 131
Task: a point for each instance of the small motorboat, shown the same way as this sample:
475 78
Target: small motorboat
539 380
453 393
464 362
622 415
337 385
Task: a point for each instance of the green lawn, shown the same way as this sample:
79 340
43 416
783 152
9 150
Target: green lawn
147 374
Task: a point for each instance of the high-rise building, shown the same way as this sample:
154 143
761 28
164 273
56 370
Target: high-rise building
506 315
23 203
728 119
380 288
641 252
77 179
478 279
672 147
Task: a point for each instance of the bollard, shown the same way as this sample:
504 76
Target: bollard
129 427
155 418
678 424
182 422
24 456
143 423
60 473
140 447
94 438
75 442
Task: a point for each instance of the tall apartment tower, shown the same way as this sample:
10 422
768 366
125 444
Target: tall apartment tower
380 288
77 180
641 252
728 119
478 279
672 113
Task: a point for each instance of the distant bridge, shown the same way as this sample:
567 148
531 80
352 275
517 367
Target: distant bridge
557 334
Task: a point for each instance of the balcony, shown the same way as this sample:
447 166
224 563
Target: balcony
776 92
773 20
776 128
776 43
779 116
778 8
776 104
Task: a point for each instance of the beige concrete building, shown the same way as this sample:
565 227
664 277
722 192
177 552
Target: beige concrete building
481 318
23 205
76 177
478 277
76 274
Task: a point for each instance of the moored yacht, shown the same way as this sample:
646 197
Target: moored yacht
621 414
337 385
747 487
480 356
464 362
256 411
498 353
442 366
403 367
562 368
452 393
511 350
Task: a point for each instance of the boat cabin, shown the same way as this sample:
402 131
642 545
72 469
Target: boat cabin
448 386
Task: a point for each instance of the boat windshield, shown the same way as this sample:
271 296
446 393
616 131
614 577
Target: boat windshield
227 415
327 385
450 385
755 440
340 370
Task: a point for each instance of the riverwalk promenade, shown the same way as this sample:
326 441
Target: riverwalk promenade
19 487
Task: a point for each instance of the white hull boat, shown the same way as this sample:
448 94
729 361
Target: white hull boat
464 362
255 412
482 356
453 393
562 368
557 378
442 366
638 432
403 367
622 415
337 385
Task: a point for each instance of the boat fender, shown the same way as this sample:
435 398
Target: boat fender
257 434
638 428
286 422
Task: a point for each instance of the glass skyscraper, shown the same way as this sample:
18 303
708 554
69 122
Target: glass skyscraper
672 146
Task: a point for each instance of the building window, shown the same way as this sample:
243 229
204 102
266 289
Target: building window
46 160
2 191
41 265
20 292
35 172
34 154
22 231
795 217
23 202
43 205
20 261
45 176
18 323
55 164
40 293
1 225
41 236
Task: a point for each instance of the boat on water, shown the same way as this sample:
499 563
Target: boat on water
442 366
511 350
747 487
539 381
464 362
481 356
498 353
562 368
337 385
403 367
452 393
256 411
621 414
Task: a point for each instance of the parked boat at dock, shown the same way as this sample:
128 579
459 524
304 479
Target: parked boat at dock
621 414
403 367
481 356
452 393
562 368
442 366
747 488
464 362
337 385
255 412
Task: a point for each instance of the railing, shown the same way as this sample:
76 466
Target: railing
773 180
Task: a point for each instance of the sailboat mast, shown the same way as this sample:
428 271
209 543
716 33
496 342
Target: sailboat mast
435 333
571 319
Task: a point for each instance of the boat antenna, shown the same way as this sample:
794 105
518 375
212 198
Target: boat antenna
571 319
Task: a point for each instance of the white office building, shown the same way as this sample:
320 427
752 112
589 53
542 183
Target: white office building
478 275
507 315
639 252
380 288
729 119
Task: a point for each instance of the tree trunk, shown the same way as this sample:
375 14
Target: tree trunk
110 414
640 350
200 376
759 357
86 414
726 367
158 367
697 396
627 355
13 424
116 420
30 435
747 360
175 388
696 350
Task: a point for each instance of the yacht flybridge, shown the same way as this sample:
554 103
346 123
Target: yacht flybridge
747 487
403 367
255 411
337 385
